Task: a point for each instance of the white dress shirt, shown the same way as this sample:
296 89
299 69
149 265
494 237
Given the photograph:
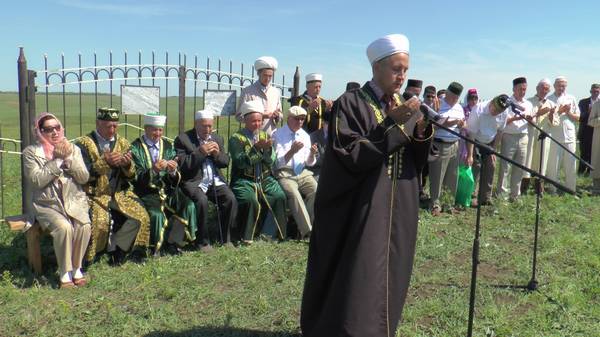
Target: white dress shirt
104 144
452 112
153 148
209 172
482 126
565 131
284 138
518 126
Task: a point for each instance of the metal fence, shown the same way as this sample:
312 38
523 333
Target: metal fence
75 93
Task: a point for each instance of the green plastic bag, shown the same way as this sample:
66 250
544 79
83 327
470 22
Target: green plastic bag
465 187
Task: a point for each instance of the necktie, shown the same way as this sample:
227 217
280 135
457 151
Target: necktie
297 165
387 100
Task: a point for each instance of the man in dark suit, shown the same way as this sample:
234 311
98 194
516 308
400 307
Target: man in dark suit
586 132
201 156
319 137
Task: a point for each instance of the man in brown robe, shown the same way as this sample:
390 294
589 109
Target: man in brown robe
366 209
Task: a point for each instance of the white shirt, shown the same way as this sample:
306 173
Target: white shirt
482 126
103 144
452 112
209 173
565 131
284 138
519 126
153 148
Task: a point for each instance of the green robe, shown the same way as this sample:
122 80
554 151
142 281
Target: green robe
161 194
254 186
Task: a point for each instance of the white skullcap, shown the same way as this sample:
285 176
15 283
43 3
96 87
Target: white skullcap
314 77
265 62
560 79
203 114
155 119
296 111
545 81
251 106
386 46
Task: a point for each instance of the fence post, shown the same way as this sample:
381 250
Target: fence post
296 82
31 90
182 72
25 125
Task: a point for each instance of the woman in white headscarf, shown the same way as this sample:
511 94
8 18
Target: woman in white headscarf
55 171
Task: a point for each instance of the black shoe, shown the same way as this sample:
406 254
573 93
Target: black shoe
117 257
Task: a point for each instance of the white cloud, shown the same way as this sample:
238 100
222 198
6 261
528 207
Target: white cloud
136 8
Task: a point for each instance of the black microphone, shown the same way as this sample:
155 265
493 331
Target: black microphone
515 107
428 112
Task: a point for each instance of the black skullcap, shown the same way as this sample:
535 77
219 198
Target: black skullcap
519 80
352 85
414 83
430 89
455 88
108 114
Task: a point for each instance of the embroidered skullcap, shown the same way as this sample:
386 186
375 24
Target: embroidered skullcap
314 77
249 107
155 119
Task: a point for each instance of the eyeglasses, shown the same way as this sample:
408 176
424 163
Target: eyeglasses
300 118
49 129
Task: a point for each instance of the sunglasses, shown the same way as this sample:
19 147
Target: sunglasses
49 129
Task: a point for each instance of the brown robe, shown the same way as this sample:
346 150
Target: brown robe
366 213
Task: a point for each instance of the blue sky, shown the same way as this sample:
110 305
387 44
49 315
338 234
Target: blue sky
482 44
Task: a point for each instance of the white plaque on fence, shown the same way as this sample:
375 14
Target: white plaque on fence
139 100
220 102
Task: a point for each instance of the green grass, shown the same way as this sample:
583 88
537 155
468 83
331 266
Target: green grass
256 290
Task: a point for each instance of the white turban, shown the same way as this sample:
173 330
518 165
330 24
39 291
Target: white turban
386 46
296 111
203 114
314 77
154 119
265 62
250 107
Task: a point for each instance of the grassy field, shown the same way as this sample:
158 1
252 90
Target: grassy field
256 290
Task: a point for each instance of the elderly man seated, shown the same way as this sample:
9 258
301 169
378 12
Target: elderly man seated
294 153
157 183
119 220
202 156
255 189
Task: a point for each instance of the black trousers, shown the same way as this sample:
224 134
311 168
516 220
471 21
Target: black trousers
226 204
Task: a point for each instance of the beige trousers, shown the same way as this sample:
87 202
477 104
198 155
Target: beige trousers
70 241
300 191
559 157
444 169
513 146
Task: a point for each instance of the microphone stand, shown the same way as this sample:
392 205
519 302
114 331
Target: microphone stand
533 283
485 151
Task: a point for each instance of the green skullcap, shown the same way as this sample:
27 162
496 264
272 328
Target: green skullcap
108 114
500 102
455 88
